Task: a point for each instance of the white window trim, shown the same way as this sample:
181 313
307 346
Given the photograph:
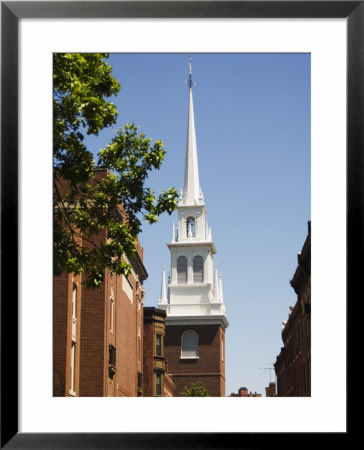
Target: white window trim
223 349
74 301
112 306
73 368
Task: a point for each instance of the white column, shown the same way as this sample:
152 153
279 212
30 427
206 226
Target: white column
220 289
216 286
163 297
189 268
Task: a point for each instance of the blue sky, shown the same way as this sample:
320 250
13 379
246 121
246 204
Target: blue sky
252 116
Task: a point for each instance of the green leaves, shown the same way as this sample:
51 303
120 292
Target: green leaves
131 156
80 84
98 210
196 389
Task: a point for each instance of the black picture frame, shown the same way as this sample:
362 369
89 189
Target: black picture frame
11 12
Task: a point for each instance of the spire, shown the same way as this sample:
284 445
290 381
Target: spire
163 298
216 286
191 192
168 291
173 232
220 289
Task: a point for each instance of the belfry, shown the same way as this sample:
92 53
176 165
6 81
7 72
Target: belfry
196 318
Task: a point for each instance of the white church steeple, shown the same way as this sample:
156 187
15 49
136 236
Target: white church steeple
194 293
192 194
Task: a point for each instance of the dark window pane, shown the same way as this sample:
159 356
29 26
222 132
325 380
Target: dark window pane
158 384
189 344
158 345
182 270
112 355
191 227
198 269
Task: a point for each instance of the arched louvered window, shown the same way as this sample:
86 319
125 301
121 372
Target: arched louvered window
191 227
198 269
189 344
182 270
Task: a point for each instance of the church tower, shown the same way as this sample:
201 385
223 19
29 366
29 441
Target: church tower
196 319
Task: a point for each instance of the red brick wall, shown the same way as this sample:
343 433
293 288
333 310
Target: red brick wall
128 362
62 333
92 343
94 336
293 365
208 368
60 340
93 331
148 359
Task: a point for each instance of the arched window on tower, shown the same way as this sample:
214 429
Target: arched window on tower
191 227
198 269
182 270
189 344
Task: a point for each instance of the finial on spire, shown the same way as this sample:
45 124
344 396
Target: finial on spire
190 82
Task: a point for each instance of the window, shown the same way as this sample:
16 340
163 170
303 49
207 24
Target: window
158 345
112 361
190 227
182 270
222 349
72 383
111 315
189 344
198 269
74 301
112 355
158 383
140 385
128 288
140 380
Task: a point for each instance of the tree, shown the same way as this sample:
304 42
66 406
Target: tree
196 389
86 206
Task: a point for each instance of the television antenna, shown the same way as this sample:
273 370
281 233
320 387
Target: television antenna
270 371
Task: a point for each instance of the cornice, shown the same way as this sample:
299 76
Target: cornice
192 245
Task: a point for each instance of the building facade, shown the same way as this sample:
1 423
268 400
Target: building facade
293 364
270 391
243 392
156 381
98 334
195 312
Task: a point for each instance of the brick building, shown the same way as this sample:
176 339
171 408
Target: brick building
293 364
270 391
243 392
98 334
196 316
156 381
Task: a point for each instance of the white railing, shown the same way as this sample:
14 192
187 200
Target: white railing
190 309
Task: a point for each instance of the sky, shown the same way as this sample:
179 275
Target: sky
252 118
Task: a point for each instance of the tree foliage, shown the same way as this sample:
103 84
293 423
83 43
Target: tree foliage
86 206
196 389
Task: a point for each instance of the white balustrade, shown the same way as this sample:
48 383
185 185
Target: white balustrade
200 309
